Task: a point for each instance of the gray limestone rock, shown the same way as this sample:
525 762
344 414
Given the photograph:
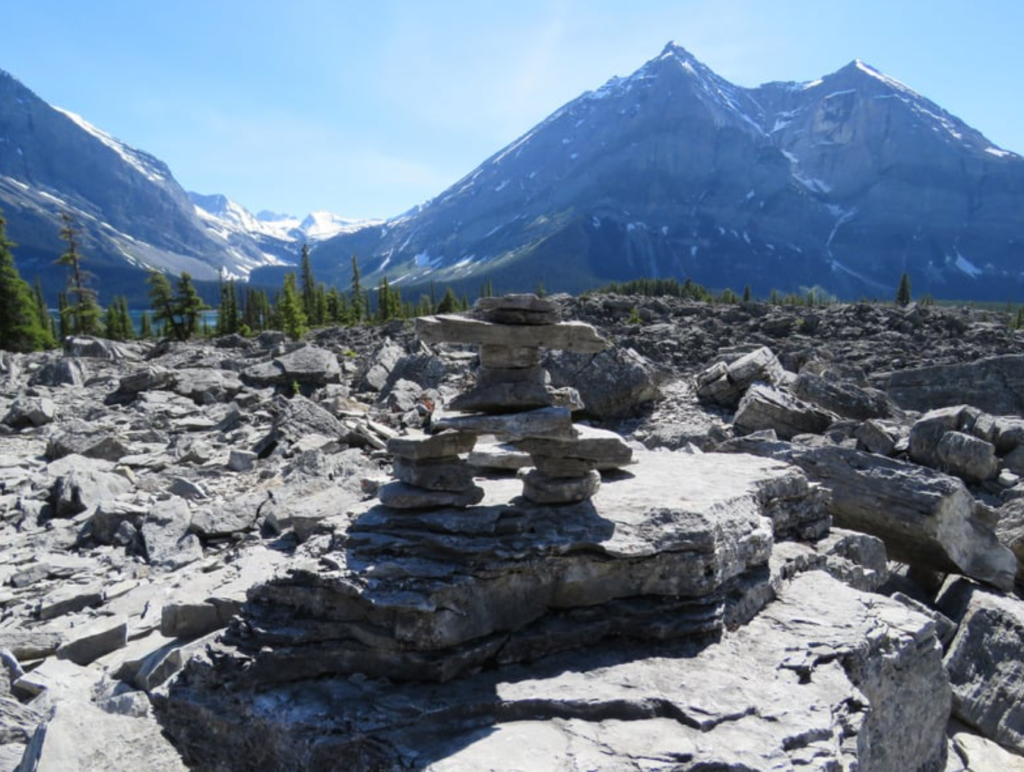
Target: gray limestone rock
376 370
85 488
400 495
543 489
765 407
842 398
984 663
193 620
502 397
875 437
308 365
206 386
499 456
29 412
435 474
567 336
993 384
86 439
825 678
552 422
605 449
444 444
518 309
491 376
499 356
967 456
724 383
1010 530
562 467
925 518
224 517
928 430
60 371
297 418
89 643
168 543
614 383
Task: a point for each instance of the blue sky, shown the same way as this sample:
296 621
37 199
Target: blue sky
367 109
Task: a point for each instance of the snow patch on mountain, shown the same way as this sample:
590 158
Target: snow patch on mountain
145 164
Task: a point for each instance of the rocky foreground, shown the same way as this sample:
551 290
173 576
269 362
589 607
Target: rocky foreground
812 560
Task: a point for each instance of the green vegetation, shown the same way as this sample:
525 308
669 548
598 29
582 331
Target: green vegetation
22 325
80 313
903 296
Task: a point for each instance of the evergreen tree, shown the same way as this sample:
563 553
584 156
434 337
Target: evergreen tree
903 293
83 309
309 289
45 320
449 303
290 311
145 326
320 305
188 304
165 311
63 315
20 327
359 305
227 312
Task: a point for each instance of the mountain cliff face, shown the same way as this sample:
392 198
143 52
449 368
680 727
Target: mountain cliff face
843 182
131 211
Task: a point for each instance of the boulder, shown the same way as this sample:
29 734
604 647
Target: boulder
984 663
724 382
967 456
765 407
165 534
90 642
86 488
376 370
83 438
206 386
307 366
554 422
518 309
1010 530
100 348
614 383
298 417
875 437
842 398
928 430
27 412
824 678
925 518
60 371
993 384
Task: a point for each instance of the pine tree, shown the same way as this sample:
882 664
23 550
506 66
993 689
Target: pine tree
359 305
289 309
449 303
46 322
83 309
20 327
64 324
227 312
145 326
308 289
903 293
189 306
161 297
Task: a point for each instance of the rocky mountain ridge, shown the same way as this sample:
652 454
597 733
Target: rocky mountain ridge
843 182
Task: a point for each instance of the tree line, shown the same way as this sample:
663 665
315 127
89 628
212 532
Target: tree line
177 308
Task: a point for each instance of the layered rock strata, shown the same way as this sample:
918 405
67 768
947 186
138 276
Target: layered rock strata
431 472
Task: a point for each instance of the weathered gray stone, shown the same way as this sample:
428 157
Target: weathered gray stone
606 449
875 437
1010 530
562 467
193 620
928 430
725 382
69 599
844 399
981 755
224 517
567 336
100 348
85 488
89 643
825 678
240 460
60 371
502 397
206 386
440 445
984 663
435 474
500 356
297 418
168 543
491 376
308 365
614 383
79 736
399 495
30 644
30 411
765 407
542 489
993 384
146 379
967 456
554 422
499 456
518 309
925 518
376 371
84 439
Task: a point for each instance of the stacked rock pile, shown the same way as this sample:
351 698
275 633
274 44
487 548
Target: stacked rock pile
431 472
512 399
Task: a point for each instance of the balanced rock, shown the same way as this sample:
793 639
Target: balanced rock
518 309
568 336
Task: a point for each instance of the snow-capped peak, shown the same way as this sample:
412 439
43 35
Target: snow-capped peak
148 166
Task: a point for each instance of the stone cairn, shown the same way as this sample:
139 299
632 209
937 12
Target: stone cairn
512 399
